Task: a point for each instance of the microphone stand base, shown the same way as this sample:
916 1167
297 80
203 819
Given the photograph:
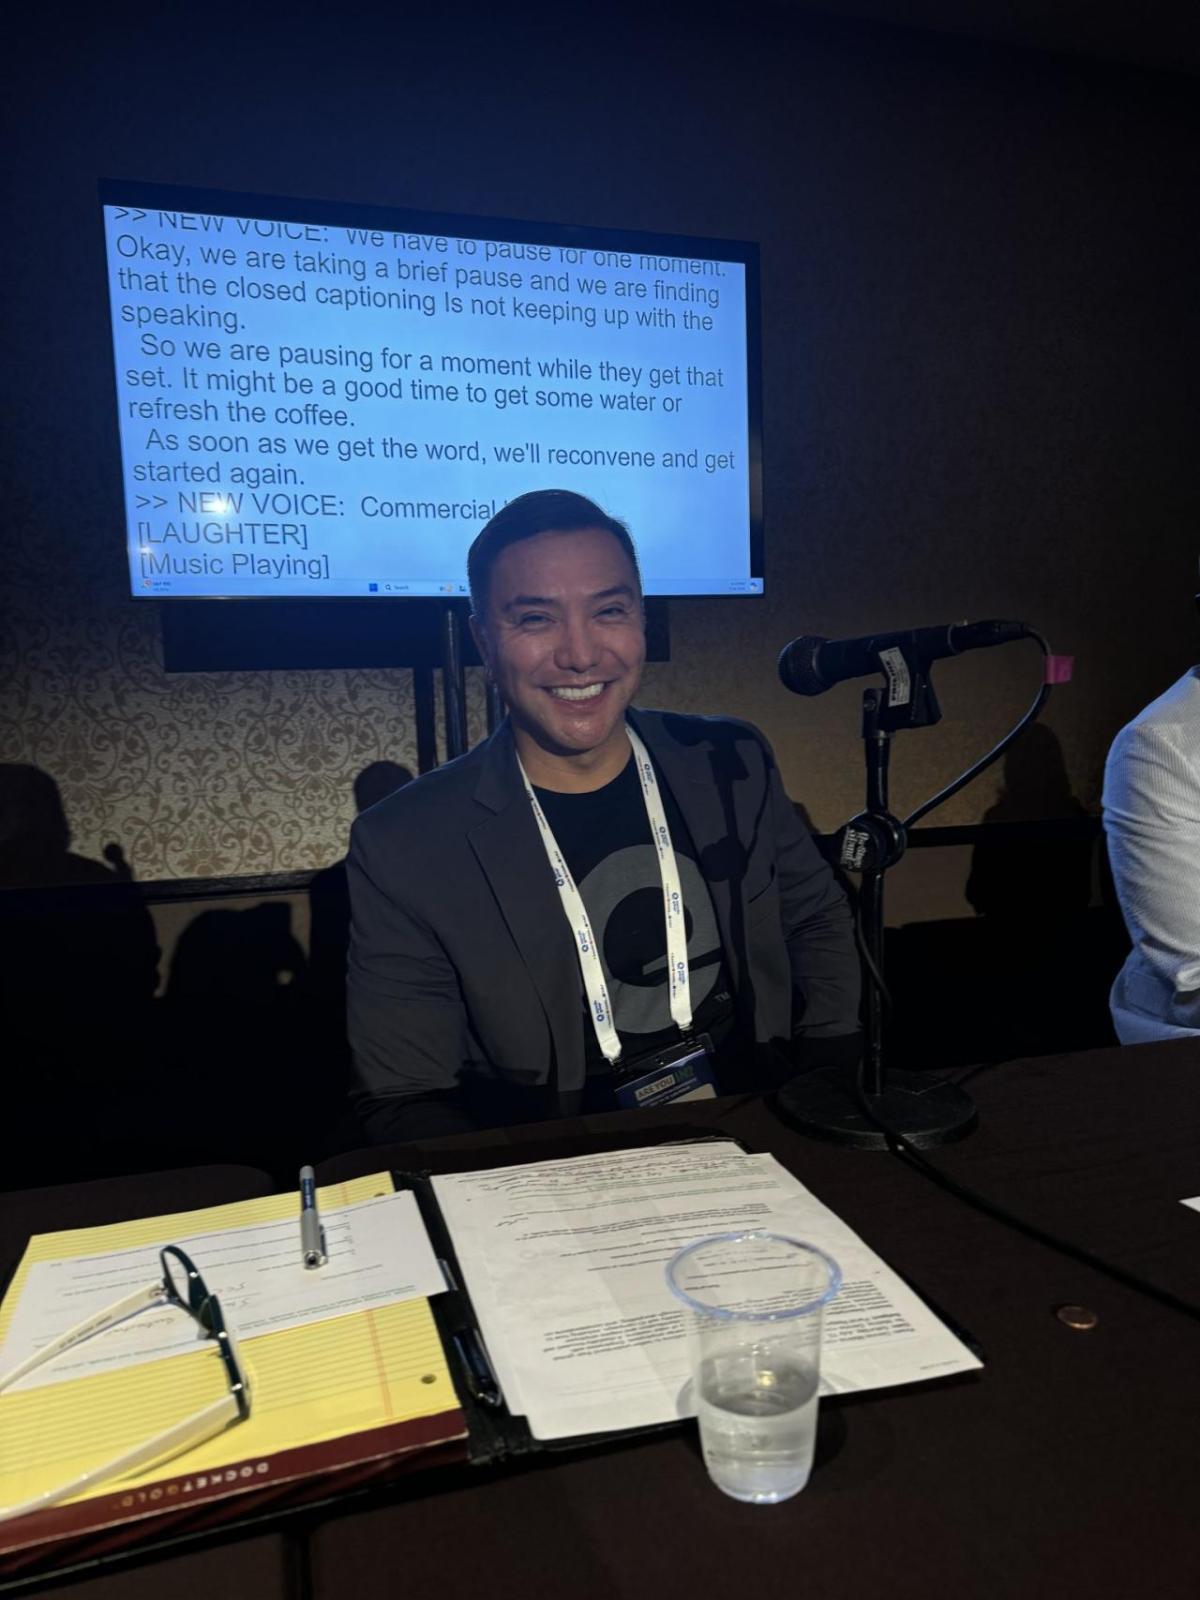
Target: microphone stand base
920 1105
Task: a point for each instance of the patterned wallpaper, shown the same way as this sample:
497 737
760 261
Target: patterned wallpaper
197 774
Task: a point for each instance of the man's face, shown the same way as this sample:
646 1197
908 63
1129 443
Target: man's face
565 641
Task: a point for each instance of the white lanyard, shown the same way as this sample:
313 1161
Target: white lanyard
576 912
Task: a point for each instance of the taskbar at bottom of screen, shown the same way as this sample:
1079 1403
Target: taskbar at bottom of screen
151 588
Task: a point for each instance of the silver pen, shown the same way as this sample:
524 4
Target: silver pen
312 1234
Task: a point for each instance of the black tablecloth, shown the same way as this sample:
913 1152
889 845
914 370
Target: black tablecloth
269 1567
1068 1465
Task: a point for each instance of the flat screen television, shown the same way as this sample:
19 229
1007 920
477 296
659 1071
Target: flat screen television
318 399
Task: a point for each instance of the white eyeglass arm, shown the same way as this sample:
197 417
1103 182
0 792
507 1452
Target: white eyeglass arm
194 1430
98 1322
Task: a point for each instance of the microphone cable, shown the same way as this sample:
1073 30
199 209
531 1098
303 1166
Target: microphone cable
868 960
964 778
1018 728
907 1153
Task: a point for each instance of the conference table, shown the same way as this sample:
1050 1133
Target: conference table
1067 1465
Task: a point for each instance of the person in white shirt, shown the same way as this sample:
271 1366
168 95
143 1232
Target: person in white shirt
1152 821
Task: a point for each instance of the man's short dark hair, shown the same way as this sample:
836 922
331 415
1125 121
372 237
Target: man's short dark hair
541 511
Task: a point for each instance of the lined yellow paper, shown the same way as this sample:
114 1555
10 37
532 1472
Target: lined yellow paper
308 1384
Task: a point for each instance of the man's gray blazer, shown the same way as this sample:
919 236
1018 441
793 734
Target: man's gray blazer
462 964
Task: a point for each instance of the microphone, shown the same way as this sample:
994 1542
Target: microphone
810 665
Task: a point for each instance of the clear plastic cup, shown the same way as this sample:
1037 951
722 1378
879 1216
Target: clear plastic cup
757 1301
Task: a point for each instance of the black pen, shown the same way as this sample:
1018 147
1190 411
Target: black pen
481 1380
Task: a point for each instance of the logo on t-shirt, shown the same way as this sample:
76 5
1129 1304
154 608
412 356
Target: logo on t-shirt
623 895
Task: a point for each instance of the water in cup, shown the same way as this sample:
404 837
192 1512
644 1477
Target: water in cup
758 1425
756 1300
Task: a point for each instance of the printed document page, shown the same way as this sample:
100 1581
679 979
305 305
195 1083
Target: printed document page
379 1255
565 1264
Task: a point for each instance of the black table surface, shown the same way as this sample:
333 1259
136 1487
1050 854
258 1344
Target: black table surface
1068 1464
268 1566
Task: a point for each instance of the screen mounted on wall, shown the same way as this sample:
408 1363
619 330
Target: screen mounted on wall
318 399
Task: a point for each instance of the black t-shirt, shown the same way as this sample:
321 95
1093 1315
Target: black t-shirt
605 837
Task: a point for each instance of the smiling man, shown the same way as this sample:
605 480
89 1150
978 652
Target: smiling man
558 622
601 906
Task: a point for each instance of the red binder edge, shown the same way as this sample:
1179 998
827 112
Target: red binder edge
192 1502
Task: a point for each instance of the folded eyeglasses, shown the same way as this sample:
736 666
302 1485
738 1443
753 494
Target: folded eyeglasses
180 1285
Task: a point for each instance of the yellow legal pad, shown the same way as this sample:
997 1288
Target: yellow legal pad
308 1384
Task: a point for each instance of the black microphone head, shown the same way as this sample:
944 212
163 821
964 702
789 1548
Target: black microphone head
798 665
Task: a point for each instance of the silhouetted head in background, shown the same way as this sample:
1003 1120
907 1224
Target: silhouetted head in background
35 837
236 957
1036 783
376 782
1024 878
35 840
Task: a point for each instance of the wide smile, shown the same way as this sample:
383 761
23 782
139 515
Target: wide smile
578 694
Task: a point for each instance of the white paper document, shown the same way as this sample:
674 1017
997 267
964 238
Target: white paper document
379 1253
565 1263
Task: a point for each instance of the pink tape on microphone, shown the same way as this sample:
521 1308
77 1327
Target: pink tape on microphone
1059 669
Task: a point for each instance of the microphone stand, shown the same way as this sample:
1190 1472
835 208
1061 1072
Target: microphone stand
864 1109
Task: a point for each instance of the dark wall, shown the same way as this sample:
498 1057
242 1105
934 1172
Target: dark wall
978 285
